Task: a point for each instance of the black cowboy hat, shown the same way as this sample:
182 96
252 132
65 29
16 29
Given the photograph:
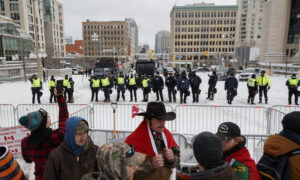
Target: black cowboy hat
157 110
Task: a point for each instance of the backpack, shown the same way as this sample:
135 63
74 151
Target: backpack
275 168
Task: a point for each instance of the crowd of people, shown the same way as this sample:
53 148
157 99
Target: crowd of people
150 151
257 84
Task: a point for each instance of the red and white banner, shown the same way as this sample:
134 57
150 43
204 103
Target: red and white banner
12 137
135 111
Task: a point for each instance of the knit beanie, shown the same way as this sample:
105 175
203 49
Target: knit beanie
291 122
207 148
33 120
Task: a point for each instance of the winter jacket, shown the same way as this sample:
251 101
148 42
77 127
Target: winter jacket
223 172
277 145
171 82
41 87
241 162
69 161
231 83
157 83
213 79
263 81
292 83
39 155
195 81
183 83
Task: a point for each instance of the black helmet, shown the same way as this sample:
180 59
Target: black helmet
253 76
294 75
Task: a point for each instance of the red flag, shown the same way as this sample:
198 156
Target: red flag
135 110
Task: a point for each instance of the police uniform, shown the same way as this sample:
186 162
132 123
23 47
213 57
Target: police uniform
146 88
252 88
51 87
65 85
95 84
293 84
132 86
121 87
36 86
264 84
105 85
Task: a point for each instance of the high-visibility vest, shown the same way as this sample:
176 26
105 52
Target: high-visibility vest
263 81
293 82
105 82
36 83
251 82
121 80
51 84
96 83
145 83
66 82
132 81
69 85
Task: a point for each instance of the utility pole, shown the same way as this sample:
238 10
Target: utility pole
37 48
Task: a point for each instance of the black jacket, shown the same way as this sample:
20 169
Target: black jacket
231 83
171 82
157 83
213 79
195 81
223 172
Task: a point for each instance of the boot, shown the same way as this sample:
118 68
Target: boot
266 101
248 101
259 100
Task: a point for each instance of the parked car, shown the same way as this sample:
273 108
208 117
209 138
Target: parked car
201 69
246 73
75 71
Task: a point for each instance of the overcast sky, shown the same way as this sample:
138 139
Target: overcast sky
150 15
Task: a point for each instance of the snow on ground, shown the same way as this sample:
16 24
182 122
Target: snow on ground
20 93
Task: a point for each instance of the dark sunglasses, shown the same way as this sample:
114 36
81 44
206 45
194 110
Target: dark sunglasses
43 111
131 151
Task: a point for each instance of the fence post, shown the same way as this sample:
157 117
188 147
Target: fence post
269 119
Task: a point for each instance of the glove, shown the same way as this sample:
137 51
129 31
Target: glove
269 88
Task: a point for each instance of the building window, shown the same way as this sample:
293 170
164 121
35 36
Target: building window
30 18
14 7
29 10
2 7
15 16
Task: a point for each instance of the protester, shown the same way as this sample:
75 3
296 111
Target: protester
122 166
207 149
76 154
42 139
153 139
235 152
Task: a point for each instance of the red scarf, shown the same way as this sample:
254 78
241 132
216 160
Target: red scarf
140 139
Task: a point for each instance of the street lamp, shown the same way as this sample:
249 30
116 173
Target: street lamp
95 39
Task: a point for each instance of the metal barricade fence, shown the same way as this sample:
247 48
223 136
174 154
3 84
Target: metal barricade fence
81 110
276 115
103 116
192 119
255 144
7 115
101 137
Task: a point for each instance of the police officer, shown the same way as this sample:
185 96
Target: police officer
231 85
70 89
105 85
36 86
146 84
183 85
264 85
51 87
65 85
121 86
252 88
195 82
171 84
158 86
95 84
212 82
132 87
293 84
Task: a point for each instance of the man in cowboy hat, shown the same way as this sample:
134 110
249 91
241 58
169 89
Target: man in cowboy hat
154 140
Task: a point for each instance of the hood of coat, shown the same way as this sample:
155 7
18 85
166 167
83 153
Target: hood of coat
70 134
277 145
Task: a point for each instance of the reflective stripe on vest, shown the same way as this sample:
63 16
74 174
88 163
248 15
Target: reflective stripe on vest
251 82
121 80
66 81
51 84
263 80
69 85
293 82
96 83
105 82
132 81
36 83
145 83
